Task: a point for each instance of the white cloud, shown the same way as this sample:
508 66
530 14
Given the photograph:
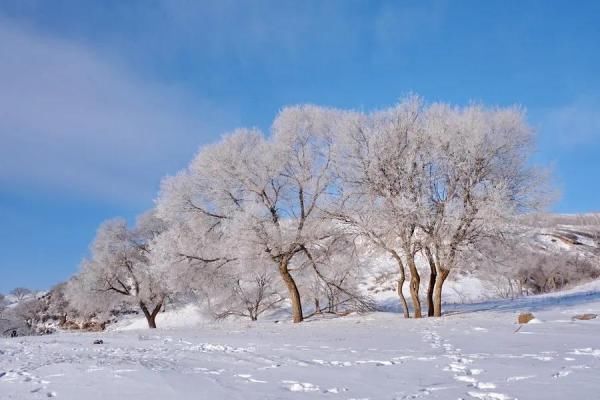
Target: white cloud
72 120
572 125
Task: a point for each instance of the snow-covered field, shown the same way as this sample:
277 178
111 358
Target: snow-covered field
475 352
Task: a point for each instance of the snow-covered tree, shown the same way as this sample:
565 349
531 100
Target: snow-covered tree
336 271
261 194
245 293
20 293
383 158
119 270
421 182
433 182
200 262
478 179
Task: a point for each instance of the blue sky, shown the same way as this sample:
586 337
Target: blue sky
99 100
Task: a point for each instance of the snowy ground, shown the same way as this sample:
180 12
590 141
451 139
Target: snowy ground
466 355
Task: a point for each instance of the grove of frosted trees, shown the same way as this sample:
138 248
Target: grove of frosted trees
288 219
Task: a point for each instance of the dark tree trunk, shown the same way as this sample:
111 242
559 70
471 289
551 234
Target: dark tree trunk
150 315
430 290
415 283
437 291
292 290
431 287
400 288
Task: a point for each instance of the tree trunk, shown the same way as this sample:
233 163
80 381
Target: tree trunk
432 278
437 291
401 281
430 290
150 315
415 283
292 290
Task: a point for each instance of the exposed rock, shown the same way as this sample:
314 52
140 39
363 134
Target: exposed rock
525 318
585 317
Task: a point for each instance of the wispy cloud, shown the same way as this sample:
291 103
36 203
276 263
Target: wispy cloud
72 120
573 124
75 117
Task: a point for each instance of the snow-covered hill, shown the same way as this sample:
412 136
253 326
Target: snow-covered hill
575 234
568 241
475 352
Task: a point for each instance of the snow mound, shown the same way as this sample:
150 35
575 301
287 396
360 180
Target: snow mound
187 316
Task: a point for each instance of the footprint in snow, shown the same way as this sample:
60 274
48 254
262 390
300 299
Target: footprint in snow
465 378
207 371
378 363
580 367
519 378
421 393
485 385
588 351
336 390
249 378
561 374
294 386
269 367
489 396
